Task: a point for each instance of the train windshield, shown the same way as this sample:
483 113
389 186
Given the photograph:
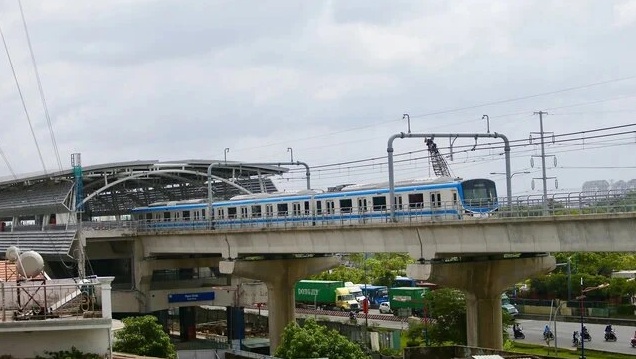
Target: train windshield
480 193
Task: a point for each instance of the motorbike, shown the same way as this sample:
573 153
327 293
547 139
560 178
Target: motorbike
610 336
586 336
548 335
518 333
633 342
353 318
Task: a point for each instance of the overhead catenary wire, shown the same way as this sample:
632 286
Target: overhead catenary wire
357 167
26 112
40 89
487 146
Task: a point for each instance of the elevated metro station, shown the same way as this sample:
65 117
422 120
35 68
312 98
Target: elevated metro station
37 212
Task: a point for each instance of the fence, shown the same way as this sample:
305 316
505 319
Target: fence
39 299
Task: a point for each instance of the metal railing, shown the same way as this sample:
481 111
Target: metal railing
558 204
37 299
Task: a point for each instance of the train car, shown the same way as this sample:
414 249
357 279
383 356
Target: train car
440 198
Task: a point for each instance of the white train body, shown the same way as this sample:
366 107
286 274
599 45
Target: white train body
416 200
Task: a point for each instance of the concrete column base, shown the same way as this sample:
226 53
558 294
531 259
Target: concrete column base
483 283
280 276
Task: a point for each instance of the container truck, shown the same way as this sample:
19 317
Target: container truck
326 294
356 292
377 294
403 298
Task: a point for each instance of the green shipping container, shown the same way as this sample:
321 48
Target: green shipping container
317 291
407 297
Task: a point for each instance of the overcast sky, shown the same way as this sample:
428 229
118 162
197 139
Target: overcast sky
169 80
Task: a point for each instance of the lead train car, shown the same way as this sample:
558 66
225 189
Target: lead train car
440 198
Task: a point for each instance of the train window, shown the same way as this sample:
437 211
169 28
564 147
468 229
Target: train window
157 216
282 209
318 207
177 216
436 200
379 203
220 213
196 215
185 215
148 217
345 205
331 207
307 208
256 211
203 213
416 200
244 213
166 216
231 212
454 198
398 202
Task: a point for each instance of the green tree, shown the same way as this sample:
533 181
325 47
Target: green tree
378 268
144 336
448 307
316 341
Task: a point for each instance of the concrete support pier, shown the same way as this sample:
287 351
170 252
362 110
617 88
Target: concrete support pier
280 276
483 282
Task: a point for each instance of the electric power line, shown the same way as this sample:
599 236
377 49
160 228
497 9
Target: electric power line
37 76
26 112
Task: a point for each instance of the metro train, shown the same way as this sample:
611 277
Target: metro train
441 198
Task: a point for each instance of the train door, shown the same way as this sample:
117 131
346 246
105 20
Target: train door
256 215
330 210
398 203
363 210
245 216
296 214
269 214
436 204
457 210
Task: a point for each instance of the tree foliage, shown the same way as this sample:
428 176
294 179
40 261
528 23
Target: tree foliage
144 336
378 269
316 341
594 269
448 307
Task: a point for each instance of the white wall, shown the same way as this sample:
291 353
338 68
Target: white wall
30 344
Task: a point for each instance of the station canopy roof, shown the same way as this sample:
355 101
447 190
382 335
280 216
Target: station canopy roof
115 188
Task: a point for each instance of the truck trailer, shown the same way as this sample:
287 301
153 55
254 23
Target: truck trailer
407 298
325 294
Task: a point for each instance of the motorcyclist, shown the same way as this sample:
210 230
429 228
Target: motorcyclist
352 316
584 333
608 329
547 333
575 338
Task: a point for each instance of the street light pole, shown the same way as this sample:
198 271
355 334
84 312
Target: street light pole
511 175
582 338
580 298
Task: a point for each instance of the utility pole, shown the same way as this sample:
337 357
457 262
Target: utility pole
544 177
76 162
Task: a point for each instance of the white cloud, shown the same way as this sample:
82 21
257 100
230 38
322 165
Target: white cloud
625 13
185 79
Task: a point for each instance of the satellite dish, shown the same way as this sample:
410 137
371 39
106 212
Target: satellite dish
12 254
30 264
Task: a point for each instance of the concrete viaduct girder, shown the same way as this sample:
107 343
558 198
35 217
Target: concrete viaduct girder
581 233
423 241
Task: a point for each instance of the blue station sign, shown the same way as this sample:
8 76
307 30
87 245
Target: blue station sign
190 297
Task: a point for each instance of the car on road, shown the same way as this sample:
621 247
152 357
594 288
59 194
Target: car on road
385 308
